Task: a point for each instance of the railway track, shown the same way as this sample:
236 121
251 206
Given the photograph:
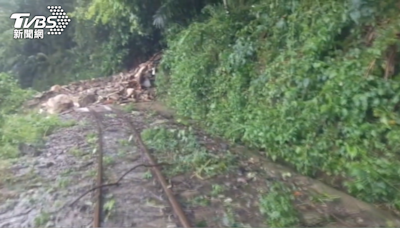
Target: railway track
75 157
147 161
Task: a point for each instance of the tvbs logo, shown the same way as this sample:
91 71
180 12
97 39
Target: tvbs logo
55 23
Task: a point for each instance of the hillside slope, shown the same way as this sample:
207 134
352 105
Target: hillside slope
315 84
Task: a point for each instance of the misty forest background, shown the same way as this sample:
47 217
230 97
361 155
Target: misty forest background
314 84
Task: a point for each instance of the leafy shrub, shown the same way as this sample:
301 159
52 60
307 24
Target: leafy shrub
17 128
12 96
180 146
309 81
277 205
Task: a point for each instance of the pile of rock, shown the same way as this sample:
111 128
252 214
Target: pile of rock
136 85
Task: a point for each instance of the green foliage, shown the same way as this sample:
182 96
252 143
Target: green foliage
103 37
15 127
12 96
277 206
36 63
304 80
181 148
24 128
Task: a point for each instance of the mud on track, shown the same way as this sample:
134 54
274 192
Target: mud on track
56 174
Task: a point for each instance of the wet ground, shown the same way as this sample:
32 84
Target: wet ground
49 179
218 185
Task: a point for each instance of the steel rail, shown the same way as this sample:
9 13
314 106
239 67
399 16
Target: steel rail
99 179
171 198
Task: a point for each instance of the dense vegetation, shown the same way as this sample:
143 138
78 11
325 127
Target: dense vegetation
313 83
18 128
103 37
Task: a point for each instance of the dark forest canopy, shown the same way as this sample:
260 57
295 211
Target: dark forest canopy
103 37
